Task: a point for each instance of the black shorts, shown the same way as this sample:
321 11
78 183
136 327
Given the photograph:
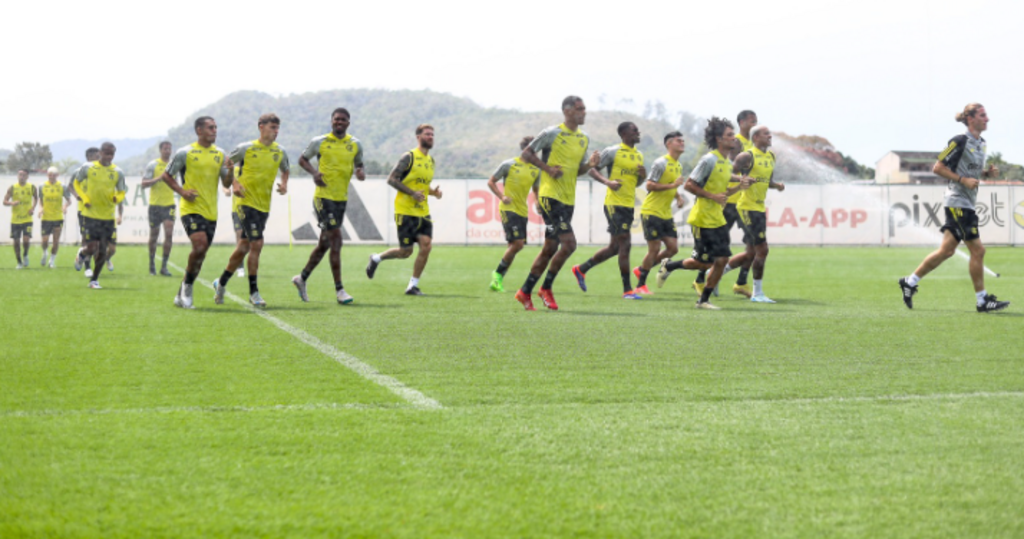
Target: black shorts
195 223
236 221
557 217
410 228
159 214
99 229
620 219
514 225
48 226
657 229
754 225
329 213
731 215
710 243
253 222
963 223
21 229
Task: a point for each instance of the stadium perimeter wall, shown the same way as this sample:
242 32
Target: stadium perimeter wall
810 215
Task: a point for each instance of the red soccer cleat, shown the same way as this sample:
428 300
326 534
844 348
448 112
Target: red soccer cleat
643 290
549 299
636 272
525 299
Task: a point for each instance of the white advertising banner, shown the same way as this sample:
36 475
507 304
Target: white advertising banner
468 214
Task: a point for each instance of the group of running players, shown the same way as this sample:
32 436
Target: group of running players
729 185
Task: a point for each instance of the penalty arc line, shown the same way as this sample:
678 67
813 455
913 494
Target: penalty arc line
412 396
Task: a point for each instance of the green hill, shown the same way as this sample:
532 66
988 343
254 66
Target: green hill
470 141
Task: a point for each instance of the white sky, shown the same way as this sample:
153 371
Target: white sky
871 76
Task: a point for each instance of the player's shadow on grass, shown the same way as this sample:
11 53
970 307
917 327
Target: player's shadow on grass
609 314
450 296
811 302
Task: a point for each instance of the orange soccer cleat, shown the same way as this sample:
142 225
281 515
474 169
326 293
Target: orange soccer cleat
525 299
549 299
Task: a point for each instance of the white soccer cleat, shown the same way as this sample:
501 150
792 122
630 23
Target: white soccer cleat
53 261
184 297
95 285
663 273
19 266
110 265
257 300
707 305
344 298
240 272
301 285
42 262
88 273
761 298
218 292
78 261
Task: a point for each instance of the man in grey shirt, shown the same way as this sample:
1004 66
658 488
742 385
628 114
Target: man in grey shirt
961 163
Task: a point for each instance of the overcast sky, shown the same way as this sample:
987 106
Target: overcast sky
871 76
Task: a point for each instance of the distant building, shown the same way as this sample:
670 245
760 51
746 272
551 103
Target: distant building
907 167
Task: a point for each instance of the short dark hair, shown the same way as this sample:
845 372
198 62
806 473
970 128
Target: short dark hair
164 143
91 151
525 142
570 101
744 114
108 146
341 110
670 136
624 126
201 121
269 118
715 129
25 170
423 127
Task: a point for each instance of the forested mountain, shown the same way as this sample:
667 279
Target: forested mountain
470 140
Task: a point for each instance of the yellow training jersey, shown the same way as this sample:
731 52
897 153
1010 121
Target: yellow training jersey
764 166
621 161
417 176
659 203
747 145
160 194
558 146
200 169
53 201
337 158
519 178
24 194
102 188
712 172
256 171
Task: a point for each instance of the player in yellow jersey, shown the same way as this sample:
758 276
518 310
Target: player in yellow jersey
23 197
710 183
338 155
161 208
91 155
258 163
752 215
745 121
663 182
560 152
519 178
101 187
199 165
625 166
55 201
236 222
411 177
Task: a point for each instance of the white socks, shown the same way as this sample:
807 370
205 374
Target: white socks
757 287
375 257
981 297
913 279
727 269
413 282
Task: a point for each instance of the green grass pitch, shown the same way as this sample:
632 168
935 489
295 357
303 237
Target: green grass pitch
835 413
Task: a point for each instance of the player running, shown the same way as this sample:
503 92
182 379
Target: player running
91 156
745 120
753 220
55 205
625 166
161 208
22 197
519 177
199 165
101 187
338 155
560 152
961 163
663 182
710 183
258 162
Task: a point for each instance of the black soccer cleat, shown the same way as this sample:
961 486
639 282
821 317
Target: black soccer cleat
908 293
414 291
371 268
991 305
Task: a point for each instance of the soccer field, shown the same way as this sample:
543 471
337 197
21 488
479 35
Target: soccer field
835 413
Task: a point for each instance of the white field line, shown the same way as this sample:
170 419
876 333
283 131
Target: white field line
197 409
887 398
417 399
